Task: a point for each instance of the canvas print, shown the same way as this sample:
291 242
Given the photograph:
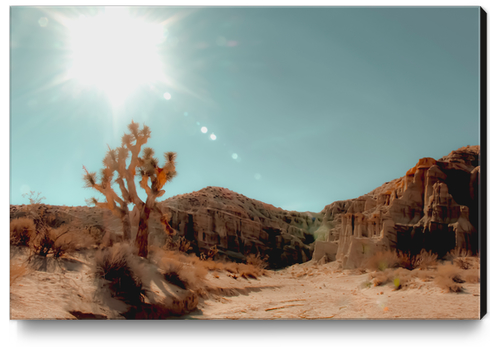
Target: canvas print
287 163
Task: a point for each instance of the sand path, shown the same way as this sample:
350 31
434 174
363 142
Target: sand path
306 292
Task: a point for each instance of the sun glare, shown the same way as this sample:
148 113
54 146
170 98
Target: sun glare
116 52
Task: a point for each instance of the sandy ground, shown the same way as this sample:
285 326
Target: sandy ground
304 291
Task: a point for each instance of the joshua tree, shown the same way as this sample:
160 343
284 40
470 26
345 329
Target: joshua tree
153 178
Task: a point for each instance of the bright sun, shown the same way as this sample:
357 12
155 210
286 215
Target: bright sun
116 52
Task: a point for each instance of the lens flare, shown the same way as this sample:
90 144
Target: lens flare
167 96
115 52
204 130
212 137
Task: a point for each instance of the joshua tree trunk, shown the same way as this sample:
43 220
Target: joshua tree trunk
126 228
142 235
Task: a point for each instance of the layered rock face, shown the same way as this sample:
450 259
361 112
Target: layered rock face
433 207
238 226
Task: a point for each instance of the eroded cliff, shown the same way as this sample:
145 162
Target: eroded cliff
433 207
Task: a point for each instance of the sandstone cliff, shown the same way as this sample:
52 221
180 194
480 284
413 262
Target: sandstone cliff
238 226
433 207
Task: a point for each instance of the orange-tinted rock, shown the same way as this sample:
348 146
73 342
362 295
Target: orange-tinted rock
434 206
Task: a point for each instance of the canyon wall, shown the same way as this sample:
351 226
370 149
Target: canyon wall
433 207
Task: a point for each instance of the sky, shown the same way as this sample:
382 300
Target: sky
295 107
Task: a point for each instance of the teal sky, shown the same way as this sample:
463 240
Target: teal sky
307 105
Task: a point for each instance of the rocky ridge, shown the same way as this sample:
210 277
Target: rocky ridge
238 226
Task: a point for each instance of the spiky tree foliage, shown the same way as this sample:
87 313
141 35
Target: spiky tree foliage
121 165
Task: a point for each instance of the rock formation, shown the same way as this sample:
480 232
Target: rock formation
433 207
239 226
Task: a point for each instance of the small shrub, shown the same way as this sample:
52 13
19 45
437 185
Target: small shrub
401 278
382 261
425 259
21 231
380 278
210 253
58 241
257 261
459 252
449 278
184 271
33 198
118 269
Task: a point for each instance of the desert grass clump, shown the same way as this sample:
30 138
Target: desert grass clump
118 269
425 259
381 261
184 271
57 242
21 231
257 261
449 278
399 278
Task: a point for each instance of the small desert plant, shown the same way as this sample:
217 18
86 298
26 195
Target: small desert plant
257 261
181 245
210 253
184 271
33 198
17 271
57 242
449 278
382 260
21 231
117 268
459 252
425 259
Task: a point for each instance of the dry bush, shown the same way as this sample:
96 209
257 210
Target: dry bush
182 245
459 252
210 253
21 231
382 261
118 269
184 271
380 278
17 271
400 278
58 241
448 277
425 259
462 263
257 261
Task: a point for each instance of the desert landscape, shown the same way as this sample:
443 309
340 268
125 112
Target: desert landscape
406 250
246 163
